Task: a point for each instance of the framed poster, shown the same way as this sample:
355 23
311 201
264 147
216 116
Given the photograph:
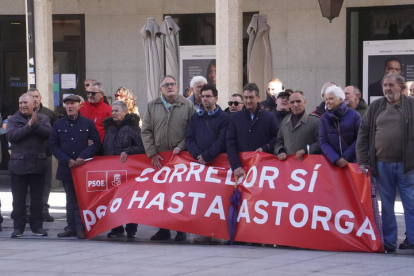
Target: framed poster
382 57
197 61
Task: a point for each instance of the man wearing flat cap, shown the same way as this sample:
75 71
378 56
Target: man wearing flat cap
69 144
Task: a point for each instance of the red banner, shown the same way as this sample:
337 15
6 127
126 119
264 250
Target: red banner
309 204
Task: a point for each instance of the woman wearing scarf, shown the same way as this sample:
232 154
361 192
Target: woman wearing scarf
338 129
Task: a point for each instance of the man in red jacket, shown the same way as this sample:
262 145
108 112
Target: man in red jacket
95 108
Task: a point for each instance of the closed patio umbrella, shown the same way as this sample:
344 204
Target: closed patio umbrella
169 31
154 57
259 53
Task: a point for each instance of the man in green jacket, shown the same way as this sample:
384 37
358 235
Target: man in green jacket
163 129
385 147
353 99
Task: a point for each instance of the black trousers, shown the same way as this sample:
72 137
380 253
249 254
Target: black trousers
72 209
46 189
19 186
130 227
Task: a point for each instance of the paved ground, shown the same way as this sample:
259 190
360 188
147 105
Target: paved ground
30 255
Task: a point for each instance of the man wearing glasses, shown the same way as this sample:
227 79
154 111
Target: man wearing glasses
235 103
163 129
252 129
206 133
95 108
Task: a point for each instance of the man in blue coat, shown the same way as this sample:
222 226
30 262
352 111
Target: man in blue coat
251 129
69 144
206 132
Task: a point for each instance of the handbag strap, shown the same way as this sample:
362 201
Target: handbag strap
340 134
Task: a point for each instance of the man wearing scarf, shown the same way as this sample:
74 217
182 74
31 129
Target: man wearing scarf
164 128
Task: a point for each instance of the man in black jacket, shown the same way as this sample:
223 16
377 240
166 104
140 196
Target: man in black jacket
282 107
37 100
251 129
27 131
274 87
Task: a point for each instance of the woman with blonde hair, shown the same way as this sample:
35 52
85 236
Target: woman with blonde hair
125 95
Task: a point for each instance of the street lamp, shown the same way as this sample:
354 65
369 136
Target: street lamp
330 8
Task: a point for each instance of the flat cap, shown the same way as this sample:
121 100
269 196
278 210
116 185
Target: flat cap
73 98
283 93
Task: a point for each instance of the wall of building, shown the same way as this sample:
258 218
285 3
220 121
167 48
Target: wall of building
307 49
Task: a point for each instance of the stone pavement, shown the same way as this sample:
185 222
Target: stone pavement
30 255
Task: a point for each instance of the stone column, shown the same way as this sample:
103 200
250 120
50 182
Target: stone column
44 50
229 49
44 60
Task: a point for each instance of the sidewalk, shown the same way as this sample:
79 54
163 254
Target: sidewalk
30 255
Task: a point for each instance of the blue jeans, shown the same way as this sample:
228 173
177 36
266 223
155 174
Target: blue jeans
391 175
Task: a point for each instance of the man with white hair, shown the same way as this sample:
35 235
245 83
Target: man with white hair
196 84
27 131
274 87
69 144
353 99
322 108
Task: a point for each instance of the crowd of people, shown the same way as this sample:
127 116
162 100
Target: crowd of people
342 128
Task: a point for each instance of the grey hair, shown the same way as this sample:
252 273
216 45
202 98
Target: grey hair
336 90
400 79
300 92
99 84
33 90
196 79
326 85
26 95
356 90
122 105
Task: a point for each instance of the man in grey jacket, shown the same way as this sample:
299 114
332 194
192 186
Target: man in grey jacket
299 132
27 131
163 129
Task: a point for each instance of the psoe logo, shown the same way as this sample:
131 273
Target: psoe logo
116 178
96 181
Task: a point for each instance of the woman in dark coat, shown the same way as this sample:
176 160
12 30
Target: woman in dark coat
122 137
338 129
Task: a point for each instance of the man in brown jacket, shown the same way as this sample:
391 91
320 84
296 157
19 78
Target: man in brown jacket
163 129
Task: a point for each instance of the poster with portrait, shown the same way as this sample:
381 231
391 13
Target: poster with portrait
385 56
197 61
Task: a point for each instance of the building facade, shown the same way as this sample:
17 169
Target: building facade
101 39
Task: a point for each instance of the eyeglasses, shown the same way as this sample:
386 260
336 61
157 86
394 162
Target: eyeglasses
92 93
168 84
206 96
236 103
87 84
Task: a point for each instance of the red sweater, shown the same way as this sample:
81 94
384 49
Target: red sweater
96 112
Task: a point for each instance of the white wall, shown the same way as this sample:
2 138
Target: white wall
307 49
